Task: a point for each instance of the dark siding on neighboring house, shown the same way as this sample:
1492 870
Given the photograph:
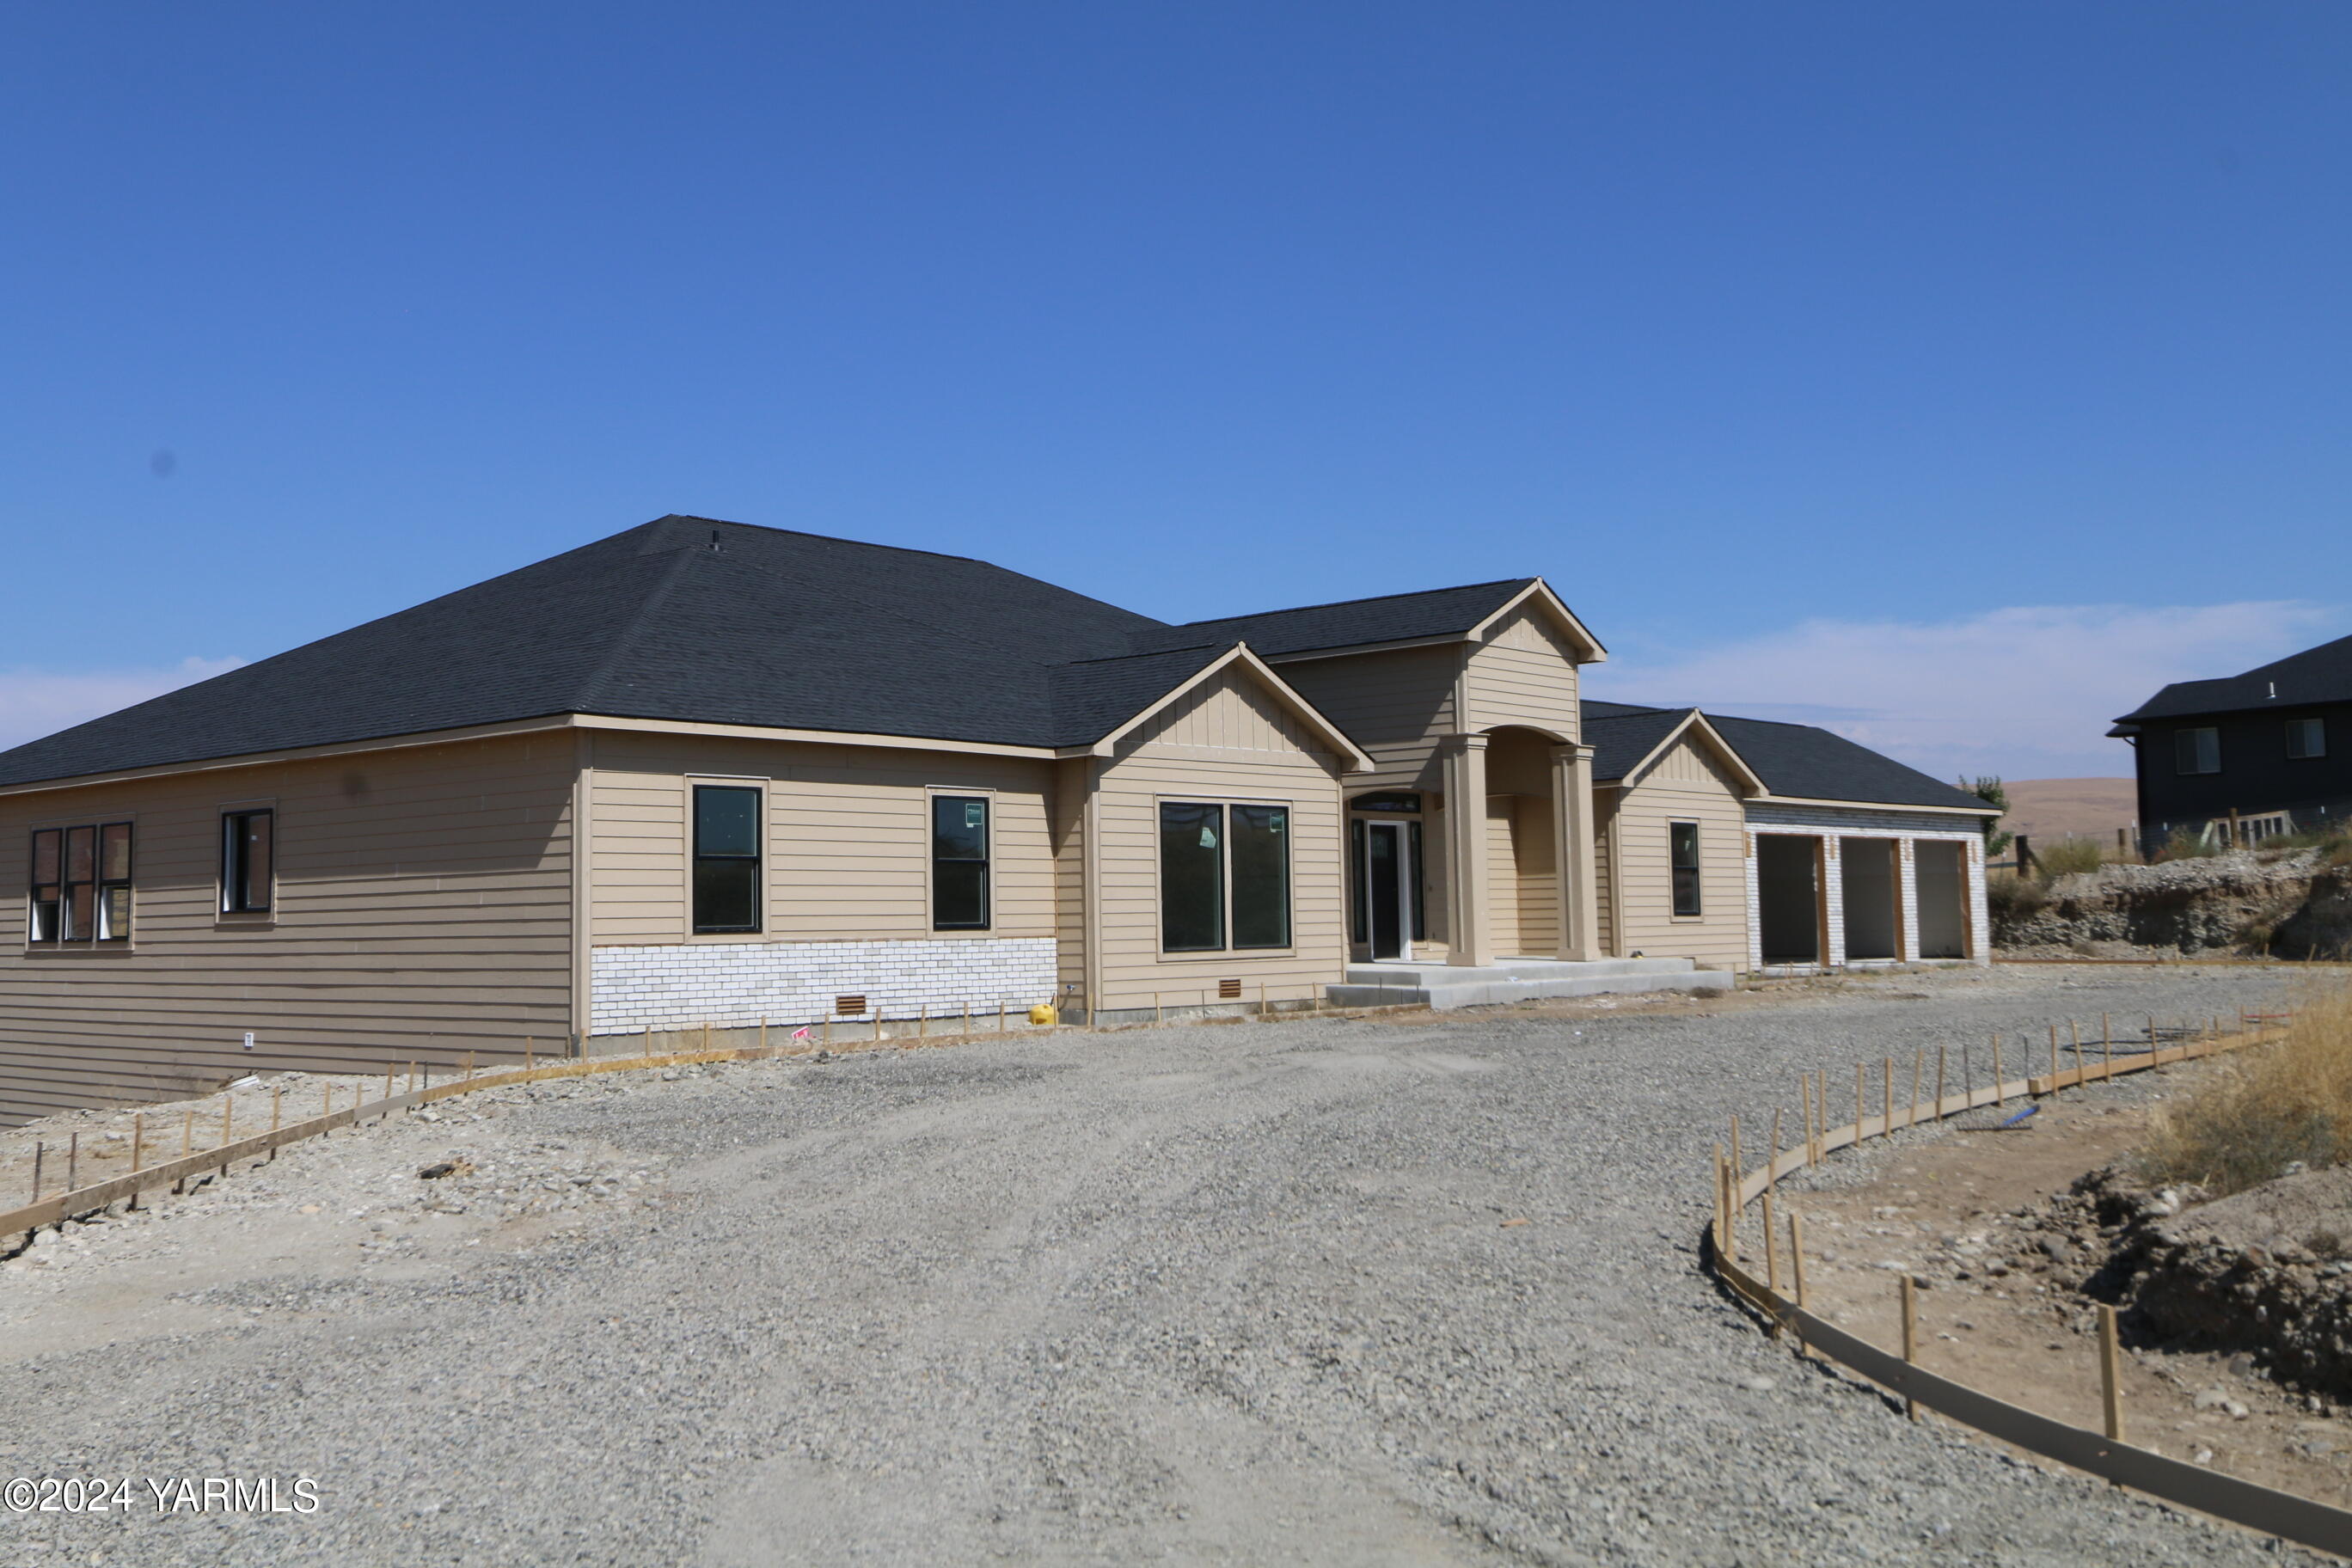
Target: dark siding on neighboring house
2257 775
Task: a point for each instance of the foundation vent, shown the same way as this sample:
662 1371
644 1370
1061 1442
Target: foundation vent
848 1007
1229 989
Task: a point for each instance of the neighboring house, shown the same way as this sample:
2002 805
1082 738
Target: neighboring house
701 773
2248 756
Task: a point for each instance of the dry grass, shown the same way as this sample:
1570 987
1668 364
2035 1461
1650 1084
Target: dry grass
2265 1110
2066 856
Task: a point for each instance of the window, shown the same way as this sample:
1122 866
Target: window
1682 842
1223 871
81 888
248 861
959 862
2197 751
2306 738
725 859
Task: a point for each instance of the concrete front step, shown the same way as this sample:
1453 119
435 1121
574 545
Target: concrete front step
1442 985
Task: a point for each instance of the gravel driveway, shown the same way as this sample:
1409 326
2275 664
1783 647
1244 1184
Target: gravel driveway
1247 1294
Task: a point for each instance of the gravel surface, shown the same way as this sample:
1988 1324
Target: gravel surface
1419 1289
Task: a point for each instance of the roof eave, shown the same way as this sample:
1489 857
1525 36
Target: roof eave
1587 647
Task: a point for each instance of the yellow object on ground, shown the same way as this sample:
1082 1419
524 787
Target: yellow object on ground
1043 1013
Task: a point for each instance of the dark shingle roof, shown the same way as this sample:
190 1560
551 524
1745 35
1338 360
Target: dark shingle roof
1809 763
1392 617
1797 761
1619 741
773 629
2322 674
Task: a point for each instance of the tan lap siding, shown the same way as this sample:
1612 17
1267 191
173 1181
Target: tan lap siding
848 841
1686 785
422 911
1539 879
1395 705
1264 755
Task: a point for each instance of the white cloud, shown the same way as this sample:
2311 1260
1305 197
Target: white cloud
36 702
2027 692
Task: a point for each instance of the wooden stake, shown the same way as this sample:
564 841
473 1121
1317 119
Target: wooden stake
188 1133
966 1016
39 1150
1968 1078
1772 1166
1720 1218
526 1064
763 1033
1918 1067
225 1104
2111 1374
999 1015
1999 1090
1805 1095
1796 1262
825 1034
2054 1060
470 1066
2107 1058
923 1022
1886 1099
138 1138
1941 1051
1735 1147
1861 1078
275 1118
1155 1009
1910 1339
1771 1257
1730 1213
73 1160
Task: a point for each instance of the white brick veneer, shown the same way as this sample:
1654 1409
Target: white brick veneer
736 984
1833 824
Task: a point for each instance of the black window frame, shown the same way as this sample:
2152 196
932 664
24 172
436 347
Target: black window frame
237 878
2319 728
1684 878
1228 919
56 921
2187 751
951 871
701 859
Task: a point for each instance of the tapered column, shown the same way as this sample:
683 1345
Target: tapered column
1471 935
1572 837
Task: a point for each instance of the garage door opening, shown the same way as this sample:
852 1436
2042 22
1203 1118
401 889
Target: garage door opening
1942 868
1873 902
1789 897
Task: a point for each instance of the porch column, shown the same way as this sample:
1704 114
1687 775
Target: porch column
1470 935
1573 847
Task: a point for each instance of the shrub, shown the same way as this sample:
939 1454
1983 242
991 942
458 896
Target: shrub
2186 844
2011 899
2265 1110
2067 857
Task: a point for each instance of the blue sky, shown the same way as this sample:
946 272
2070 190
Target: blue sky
1951 374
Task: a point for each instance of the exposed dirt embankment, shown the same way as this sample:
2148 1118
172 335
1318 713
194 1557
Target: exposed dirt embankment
2262 1272
2292 906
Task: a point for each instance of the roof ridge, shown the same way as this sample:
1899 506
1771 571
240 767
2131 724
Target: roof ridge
1367 599
1143 653
828 537
591 688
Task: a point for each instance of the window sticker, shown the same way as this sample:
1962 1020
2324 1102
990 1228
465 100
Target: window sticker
976 814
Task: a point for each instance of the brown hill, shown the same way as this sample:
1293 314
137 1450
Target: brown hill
2052 808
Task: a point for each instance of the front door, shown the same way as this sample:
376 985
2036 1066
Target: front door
1388 889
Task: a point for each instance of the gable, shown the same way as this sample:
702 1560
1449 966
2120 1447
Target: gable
1687 765
1527 630
1231 711
1522 672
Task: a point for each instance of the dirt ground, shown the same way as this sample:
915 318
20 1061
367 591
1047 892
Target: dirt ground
1994 1318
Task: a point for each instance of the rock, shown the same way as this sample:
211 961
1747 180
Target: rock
2056 1249
2210 1399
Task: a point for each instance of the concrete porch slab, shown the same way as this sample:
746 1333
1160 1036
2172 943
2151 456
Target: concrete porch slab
1441 985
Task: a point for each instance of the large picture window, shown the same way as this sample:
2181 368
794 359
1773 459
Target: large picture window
725 859
1225 877
248 861
2197 751
81 889
1681 844
959 862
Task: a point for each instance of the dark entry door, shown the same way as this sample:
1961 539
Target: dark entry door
1384 887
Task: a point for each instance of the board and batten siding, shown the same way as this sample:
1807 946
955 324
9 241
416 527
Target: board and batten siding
1686 784
1227 741
1522 672
423 912
847 843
